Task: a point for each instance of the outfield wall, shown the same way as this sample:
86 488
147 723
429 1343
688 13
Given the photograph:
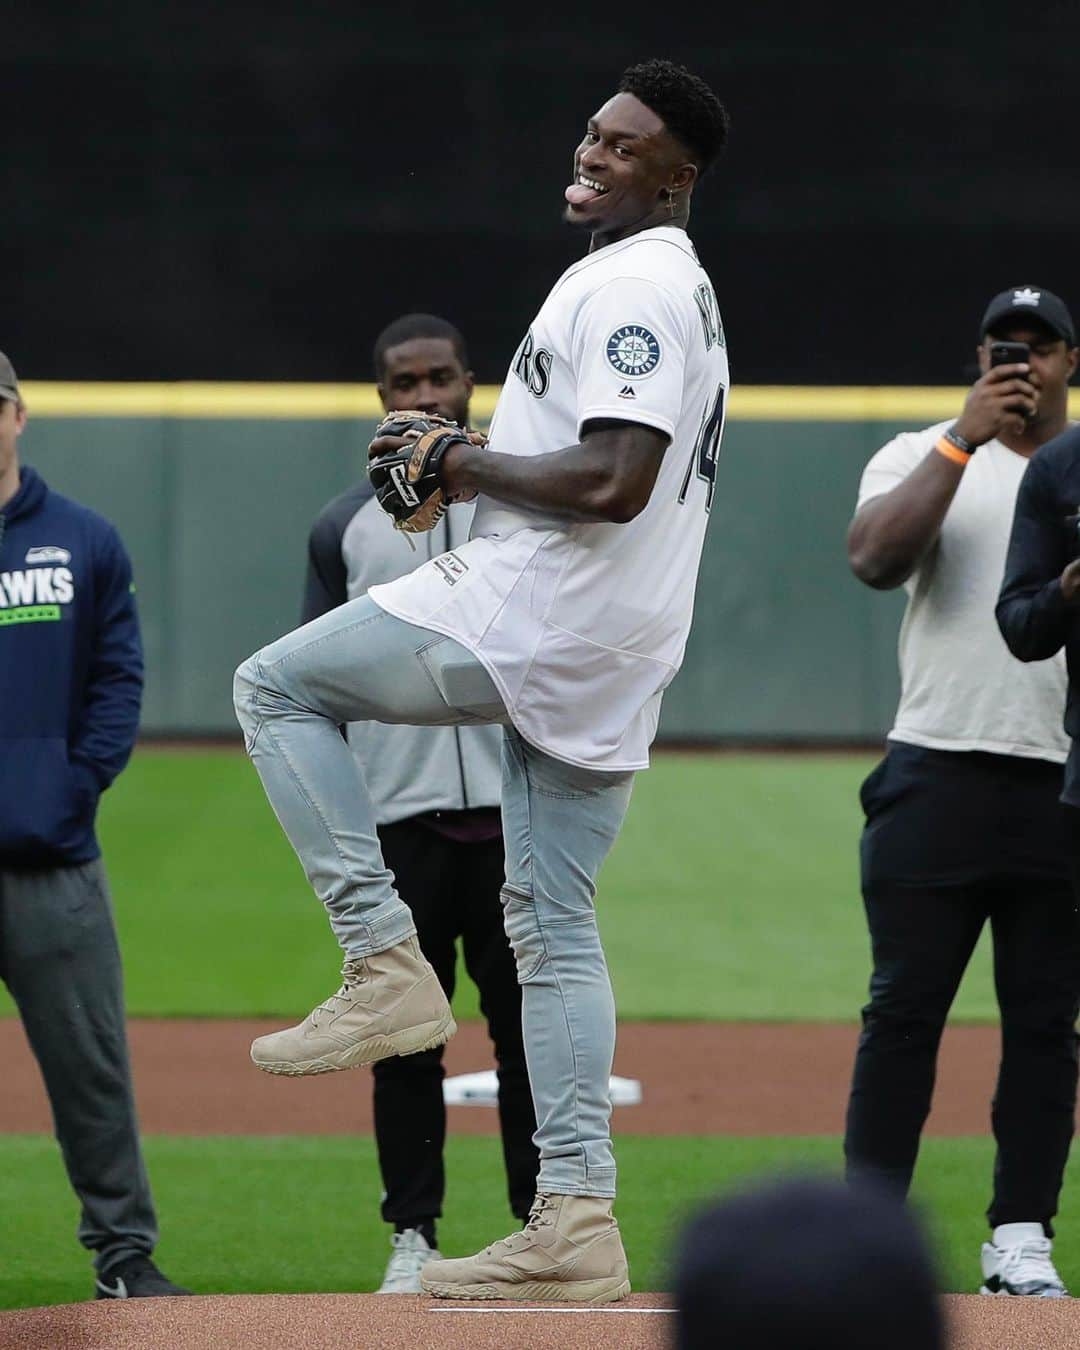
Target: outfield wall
214 487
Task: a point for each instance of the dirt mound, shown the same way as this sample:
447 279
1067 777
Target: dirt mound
334 1321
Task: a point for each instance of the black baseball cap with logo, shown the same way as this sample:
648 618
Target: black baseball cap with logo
1030 302
9 385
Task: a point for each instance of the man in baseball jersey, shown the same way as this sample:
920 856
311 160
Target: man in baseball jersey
436 797
565 617
962 817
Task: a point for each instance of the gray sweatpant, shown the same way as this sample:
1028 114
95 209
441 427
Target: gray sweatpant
60 959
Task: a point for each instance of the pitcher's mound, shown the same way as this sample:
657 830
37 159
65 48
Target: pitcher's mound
345 1321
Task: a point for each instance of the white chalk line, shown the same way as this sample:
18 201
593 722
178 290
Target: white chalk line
591 1312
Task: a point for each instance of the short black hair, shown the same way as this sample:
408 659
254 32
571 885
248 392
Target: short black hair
684 103
411 326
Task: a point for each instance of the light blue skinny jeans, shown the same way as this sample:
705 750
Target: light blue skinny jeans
359 662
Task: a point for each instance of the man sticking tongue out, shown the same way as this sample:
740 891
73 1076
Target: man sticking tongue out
577 194
630 173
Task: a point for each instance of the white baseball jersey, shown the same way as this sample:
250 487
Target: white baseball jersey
961 687
583 626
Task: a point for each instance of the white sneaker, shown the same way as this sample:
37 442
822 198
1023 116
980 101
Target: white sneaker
1017 1261
411 1254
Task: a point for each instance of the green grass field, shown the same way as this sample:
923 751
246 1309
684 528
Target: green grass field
731 894
301 1215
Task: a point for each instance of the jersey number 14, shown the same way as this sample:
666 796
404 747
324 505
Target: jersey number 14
706 451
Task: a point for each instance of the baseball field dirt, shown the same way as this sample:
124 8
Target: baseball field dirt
194 1077
345 1321
768 1079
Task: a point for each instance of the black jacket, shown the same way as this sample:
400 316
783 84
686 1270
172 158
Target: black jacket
1031 611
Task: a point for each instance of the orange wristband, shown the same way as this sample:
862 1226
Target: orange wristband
946 448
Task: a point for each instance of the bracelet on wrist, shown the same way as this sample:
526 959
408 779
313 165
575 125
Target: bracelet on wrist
953 446
961 442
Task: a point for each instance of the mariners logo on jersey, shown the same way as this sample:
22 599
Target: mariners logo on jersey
633 350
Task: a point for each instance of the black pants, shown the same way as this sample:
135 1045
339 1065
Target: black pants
453 891
923 930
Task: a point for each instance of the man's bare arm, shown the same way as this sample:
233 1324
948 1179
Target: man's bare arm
891 534
609 476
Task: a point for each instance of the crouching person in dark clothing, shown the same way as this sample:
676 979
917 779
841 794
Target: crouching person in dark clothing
70 689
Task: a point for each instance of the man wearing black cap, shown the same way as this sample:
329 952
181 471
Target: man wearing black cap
962 819
70 689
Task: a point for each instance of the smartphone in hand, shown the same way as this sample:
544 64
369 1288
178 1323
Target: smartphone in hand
1011 354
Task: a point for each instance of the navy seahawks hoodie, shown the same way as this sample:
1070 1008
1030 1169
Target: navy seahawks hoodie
71 674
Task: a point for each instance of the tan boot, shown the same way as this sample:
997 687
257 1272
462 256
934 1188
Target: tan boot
570 1251
388 1004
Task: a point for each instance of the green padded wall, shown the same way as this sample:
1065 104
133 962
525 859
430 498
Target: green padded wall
786 645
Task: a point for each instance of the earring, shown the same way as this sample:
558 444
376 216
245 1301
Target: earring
670 202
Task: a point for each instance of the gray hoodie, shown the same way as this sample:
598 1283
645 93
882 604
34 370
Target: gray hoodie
409 770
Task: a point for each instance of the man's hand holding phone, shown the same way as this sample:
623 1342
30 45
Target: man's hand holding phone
1004 399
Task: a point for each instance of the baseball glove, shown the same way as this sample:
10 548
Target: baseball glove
407 482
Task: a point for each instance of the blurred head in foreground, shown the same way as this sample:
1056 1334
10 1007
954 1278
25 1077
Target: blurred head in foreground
806 1264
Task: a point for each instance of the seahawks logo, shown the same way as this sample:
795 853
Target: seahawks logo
633 350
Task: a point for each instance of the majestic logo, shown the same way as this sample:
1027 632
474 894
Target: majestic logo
48 553
532 366
451 567
627 391
1026 296
633 350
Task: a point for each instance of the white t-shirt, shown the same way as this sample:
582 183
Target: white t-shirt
582 626
961 688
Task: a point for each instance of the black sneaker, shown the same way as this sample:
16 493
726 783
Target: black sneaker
137 1277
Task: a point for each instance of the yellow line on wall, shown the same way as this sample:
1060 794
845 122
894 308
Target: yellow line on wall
310 402
304 402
